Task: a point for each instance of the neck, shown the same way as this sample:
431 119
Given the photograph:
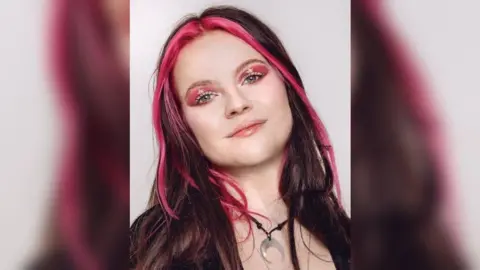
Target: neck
260 185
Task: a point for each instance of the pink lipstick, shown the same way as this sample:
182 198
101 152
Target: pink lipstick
247 129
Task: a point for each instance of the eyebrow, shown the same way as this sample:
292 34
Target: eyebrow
248 62
237 70
199 83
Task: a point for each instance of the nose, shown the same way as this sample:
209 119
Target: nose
237 104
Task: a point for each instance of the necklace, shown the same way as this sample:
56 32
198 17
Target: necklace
270 242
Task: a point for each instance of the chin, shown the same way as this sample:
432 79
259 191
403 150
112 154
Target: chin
255 155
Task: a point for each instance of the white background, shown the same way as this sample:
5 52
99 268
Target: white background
317 36
29 129
443 33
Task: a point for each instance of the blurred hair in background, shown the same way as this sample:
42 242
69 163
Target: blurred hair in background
400 199
89 220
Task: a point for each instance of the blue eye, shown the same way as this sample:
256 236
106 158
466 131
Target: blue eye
252 78
204 98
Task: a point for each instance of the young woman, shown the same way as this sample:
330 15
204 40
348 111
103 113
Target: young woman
246 173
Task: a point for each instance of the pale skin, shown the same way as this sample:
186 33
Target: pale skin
222 82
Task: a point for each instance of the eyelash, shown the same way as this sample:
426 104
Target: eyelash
257 75
198 100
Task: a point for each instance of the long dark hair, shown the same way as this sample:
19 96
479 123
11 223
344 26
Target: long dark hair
397 175
197 212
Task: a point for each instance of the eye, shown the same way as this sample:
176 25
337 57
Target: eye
204 97
252 78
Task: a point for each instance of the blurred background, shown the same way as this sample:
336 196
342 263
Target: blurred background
413 139
65 134
443 42
64 160
31 135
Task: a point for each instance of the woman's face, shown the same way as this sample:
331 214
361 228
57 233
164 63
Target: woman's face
223 85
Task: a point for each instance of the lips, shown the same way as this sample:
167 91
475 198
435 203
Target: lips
247 129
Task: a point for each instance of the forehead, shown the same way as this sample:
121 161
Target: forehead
214 54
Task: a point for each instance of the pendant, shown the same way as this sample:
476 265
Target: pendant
270 242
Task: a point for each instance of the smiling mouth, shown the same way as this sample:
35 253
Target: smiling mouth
247 129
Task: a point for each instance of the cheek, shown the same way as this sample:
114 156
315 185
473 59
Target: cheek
205 127
273 96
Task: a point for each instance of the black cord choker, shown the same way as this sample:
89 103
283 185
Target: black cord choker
269 241
269 234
